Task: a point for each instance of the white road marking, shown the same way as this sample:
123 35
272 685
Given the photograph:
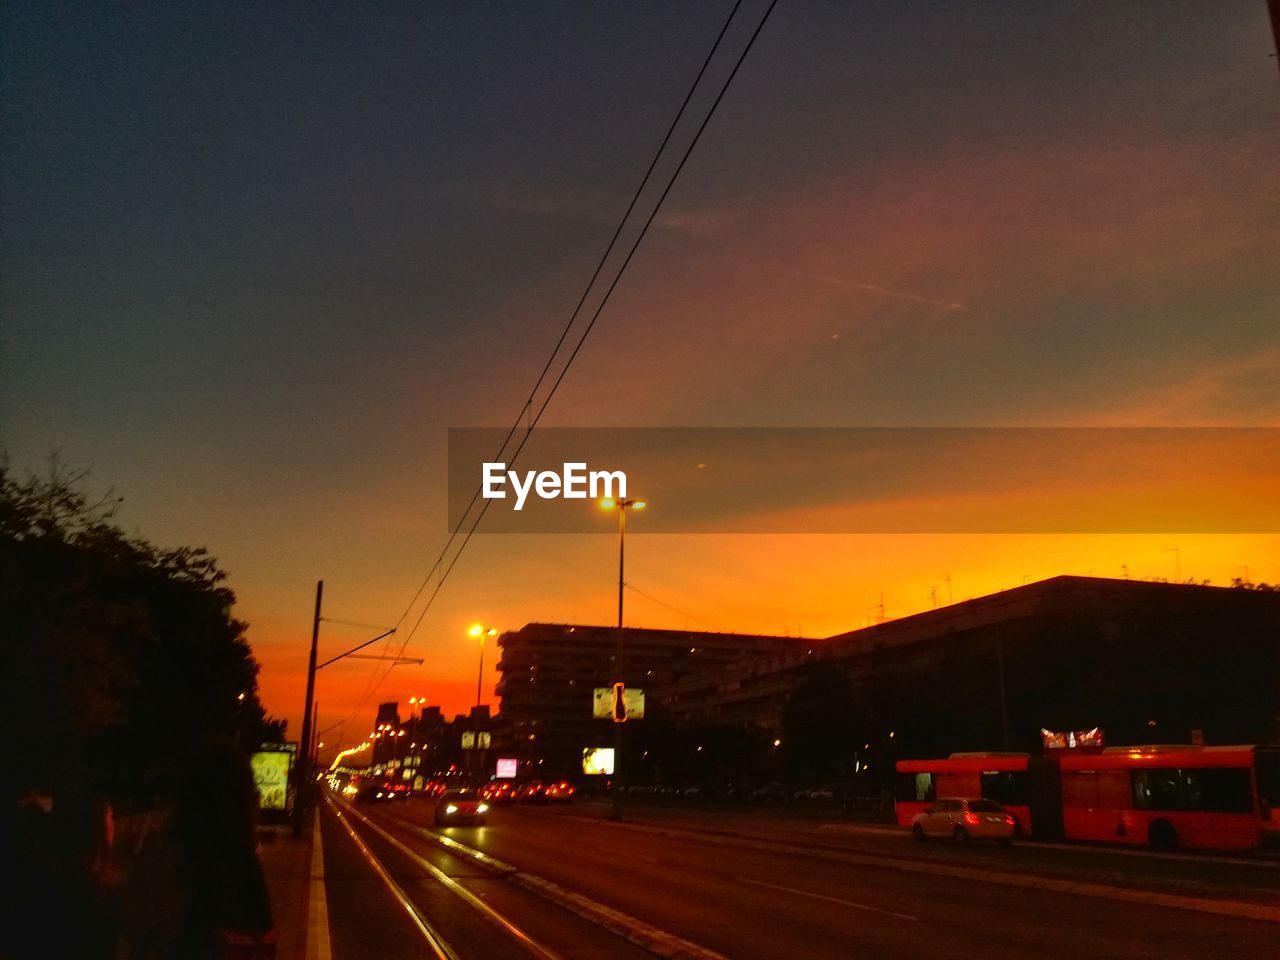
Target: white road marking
319 946
823 896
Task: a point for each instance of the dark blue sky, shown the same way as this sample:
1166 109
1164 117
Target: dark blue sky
256 258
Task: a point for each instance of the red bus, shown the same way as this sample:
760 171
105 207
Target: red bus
1207 798
1002 777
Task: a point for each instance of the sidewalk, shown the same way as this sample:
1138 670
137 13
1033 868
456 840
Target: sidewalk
286 861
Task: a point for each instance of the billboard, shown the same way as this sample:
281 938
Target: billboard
1071 739
605 706
597 761
271 777
506 768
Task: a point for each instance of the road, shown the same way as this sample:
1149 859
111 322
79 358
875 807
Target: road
866 895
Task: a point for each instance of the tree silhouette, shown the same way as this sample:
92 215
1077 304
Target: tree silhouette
120 656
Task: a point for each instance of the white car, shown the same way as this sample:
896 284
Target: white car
963 820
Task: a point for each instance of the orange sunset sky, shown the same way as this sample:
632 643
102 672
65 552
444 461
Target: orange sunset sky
255 269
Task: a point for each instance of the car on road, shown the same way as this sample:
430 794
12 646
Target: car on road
378 791
500 791
532 792
461 806
560 792
964 819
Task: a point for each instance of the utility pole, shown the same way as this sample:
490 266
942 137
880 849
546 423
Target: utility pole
303 783
315 736
619 729
1004 696
1274 7
476 756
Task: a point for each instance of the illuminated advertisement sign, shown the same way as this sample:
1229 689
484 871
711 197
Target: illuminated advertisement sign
597 761
605 705
506 769
1070 739
271 777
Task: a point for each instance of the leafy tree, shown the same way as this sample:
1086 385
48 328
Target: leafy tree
119 656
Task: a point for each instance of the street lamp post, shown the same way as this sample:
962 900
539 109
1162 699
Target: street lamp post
480 631
622 505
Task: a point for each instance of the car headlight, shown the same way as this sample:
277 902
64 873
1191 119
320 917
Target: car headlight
482 808
451 809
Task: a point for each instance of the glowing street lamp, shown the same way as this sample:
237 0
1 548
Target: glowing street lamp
479 631
622 505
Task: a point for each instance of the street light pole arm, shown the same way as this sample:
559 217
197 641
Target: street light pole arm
354 649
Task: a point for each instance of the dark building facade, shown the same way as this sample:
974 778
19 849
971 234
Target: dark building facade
549 672
1147 662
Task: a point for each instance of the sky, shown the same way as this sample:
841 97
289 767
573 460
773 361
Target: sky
258 259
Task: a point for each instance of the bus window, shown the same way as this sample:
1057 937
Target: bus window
1214 789
1224 790
915 787
1005 786
1267 769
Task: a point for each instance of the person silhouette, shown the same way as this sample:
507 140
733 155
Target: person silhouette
228 911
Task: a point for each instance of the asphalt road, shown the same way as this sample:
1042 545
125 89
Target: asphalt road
368 920
745 903
1248 877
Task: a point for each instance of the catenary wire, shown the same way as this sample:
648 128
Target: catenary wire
370 684
577 347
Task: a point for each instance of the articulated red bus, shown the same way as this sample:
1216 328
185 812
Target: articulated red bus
1207 798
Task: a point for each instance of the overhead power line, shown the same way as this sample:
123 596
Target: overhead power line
662 603
572 319
370 685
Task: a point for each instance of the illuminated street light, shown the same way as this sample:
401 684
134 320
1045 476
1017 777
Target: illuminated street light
622 505
481 632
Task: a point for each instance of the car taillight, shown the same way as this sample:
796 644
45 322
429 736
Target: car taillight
1010 821
971 819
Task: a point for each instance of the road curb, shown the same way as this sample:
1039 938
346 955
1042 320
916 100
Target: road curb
319 946
651 938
